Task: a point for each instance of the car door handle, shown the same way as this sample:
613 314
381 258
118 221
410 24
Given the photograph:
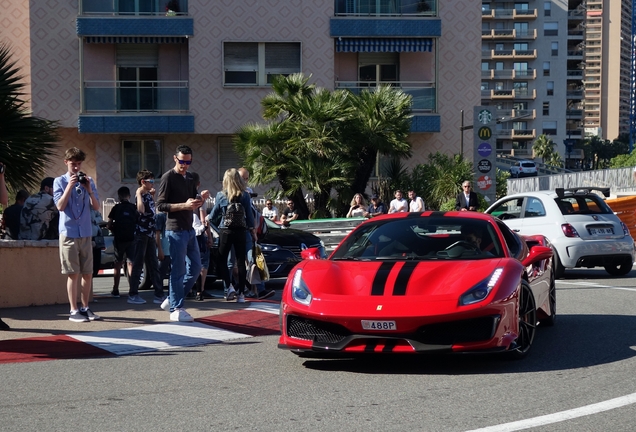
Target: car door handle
516 230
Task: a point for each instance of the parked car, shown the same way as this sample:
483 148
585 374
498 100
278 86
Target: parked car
523 168
411 283
582 228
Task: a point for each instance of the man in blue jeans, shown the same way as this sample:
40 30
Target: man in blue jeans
178 198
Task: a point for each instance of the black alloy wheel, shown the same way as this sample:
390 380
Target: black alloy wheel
527 323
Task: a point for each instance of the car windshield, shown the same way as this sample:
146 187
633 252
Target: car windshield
528 165
583 204
422 238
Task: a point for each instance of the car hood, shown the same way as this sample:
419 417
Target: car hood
436 280
289 237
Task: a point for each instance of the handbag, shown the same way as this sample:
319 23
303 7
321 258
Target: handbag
261 265
254 275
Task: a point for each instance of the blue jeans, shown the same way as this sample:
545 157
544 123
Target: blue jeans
186 265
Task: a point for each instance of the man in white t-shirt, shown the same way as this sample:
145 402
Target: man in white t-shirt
269 211
417 203
399 204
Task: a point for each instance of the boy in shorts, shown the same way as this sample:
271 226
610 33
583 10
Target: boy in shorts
75 195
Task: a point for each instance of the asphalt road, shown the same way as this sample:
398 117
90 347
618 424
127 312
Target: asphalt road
573 370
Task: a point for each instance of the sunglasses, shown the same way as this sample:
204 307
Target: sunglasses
151 181
467 187
268 203
184 162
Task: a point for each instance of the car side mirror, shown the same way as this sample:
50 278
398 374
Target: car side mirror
537 253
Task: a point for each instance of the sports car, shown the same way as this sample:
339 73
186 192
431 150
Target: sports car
416 283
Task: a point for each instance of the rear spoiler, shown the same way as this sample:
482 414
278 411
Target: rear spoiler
561 191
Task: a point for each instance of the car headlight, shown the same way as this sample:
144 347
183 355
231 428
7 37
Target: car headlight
299 290
268 247
481 290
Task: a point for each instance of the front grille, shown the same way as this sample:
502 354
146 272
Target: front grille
472 330
296 249
316 331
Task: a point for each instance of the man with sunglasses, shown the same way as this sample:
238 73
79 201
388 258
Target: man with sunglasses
179 199
467 199
75 194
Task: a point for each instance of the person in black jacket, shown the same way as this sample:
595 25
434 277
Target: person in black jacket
466 200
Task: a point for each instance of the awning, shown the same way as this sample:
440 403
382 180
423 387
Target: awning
384 44
134 39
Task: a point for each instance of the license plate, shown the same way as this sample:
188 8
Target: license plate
378 325
601 231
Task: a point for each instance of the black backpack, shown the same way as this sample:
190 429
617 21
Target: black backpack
125 222
235 216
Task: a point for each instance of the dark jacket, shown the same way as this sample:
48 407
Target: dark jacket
460 201
175 189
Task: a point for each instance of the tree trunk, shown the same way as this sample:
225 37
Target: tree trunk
364 171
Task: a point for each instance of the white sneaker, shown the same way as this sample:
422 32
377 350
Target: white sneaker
231 294
181 315
136 299
165 305
240 298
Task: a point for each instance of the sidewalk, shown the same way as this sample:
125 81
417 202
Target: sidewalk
116 313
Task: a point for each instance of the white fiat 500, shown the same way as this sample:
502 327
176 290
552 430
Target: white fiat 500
582 228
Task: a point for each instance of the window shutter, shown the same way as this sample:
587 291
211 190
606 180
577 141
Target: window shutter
228 158
137 55
240 56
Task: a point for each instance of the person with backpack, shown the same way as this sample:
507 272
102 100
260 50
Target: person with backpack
145 247
234 205
122 221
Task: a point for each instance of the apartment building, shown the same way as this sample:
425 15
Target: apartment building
532 71
129 80
608 36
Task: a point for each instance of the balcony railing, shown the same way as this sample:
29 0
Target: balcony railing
134 7
509 13
424 93
386 8
509 74
137 96
511 54
520 93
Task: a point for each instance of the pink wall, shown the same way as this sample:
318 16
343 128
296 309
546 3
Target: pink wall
173 62
346 66
99 62
418 66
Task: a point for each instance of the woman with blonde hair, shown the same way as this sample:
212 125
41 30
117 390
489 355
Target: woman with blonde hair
357 206
233 203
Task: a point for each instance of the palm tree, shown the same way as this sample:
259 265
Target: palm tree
440 180
380 126
27 143
543 147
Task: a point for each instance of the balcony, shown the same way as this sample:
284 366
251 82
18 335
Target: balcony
146 8
516 134
509 54
508 14
519 94
574 114
574 94
575 54
386 8
135 97
576 74
104 18
424 93
509 74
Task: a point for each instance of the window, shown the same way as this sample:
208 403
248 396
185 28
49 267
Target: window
499 66
251 63
228 158
523 46
521 88
521 29
550 88
550 128
137 77
375 68
484 86
499 47
546 108
521 6
485 66
485 7
534 208
547 8
546 68
550 29
140 154
555 48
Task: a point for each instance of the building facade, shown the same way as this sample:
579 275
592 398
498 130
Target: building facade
130 80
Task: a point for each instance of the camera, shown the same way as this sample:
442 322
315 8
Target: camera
81 177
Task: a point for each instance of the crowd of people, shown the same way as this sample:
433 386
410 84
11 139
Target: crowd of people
170 235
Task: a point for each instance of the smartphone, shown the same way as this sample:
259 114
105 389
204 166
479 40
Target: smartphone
199 197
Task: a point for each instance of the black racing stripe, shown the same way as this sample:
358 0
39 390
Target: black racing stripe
389 345
370 345
380 278
414 215
403 278
437 214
